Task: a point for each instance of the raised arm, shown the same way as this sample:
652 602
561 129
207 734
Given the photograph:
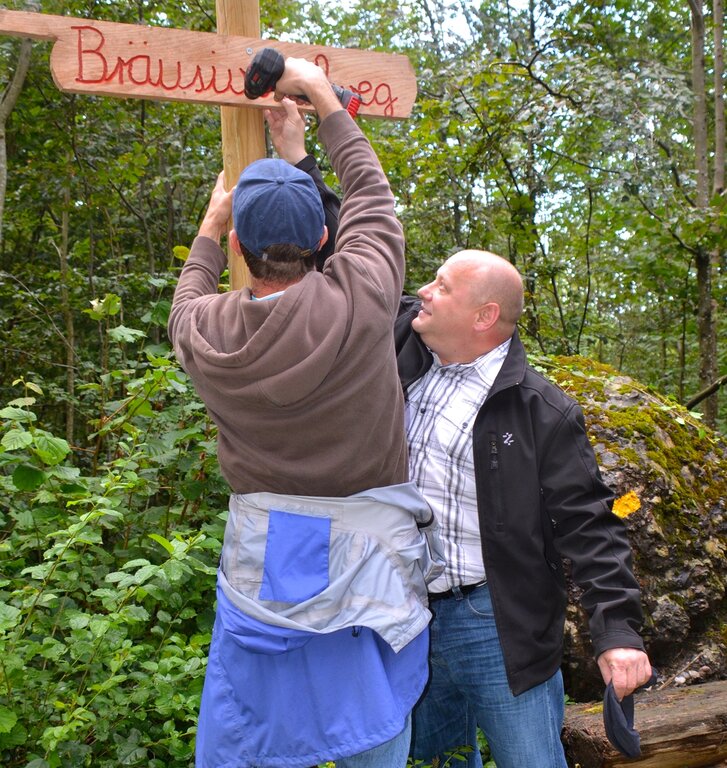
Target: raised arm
201 273
370 241
287 133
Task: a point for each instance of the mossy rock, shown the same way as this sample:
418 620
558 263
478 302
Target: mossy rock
669 473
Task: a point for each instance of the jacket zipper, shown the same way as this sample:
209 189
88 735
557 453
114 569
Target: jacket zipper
495 478
493 452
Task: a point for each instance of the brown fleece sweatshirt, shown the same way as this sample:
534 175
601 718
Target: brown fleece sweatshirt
304 388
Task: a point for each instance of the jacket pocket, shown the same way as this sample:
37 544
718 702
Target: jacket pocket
295 567
495 478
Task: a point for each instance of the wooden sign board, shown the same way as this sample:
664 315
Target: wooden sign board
162 63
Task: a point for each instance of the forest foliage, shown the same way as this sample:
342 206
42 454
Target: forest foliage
557 134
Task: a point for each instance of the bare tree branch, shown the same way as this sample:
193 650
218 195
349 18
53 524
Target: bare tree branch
705 393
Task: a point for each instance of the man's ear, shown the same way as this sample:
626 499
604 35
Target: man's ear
234 241
324 238
487 315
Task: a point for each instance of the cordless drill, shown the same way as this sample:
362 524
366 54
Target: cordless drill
267 68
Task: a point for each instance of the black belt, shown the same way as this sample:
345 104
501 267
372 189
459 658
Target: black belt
465 589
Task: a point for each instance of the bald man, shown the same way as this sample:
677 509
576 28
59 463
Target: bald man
502 456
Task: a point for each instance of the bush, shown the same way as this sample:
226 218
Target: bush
108 555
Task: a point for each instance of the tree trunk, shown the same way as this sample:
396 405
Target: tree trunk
531 314
719 165
70 334
7 104
705 317
719 116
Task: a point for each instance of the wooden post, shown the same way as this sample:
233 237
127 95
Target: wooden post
243 131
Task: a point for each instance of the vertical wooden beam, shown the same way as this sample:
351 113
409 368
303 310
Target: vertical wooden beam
243 131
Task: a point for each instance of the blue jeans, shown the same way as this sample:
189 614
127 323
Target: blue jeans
468 688
390 754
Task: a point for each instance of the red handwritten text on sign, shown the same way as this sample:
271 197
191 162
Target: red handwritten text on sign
98 66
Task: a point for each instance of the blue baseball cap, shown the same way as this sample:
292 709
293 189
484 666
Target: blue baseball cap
275 202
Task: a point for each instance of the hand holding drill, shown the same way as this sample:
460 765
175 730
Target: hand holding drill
268 68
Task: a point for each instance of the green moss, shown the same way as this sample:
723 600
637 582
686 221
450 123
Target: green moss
645 429
631 420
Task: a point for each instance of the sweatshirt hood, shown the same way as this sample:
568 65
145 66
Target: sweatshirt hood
284 348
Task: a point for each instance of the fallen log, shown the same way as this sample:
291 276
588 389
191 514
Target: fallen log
679 728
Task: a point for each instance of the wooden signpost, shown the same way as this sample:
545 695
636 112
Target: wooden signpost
104 58
243 133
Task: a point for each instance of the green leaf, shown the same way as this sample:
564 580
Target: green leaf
175 570
17 414
16 439
66 473
9 616
38 572
22 402
192 490
145 573
106 307
135 613
123 334
140 406
164 542
79 621
181 252
49 449
8 718
44 497
27 477
160 312
99 626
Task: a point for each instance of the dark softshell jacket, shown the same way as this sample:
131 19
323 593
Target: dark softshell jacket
540 498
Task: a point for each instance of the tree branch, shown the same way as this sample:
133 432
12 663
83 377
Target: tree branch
688 248
706 392
528 67
674 171
588 270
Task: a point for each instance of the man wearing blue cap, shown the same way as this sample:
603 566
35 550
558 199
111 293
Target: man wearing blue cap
319 649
